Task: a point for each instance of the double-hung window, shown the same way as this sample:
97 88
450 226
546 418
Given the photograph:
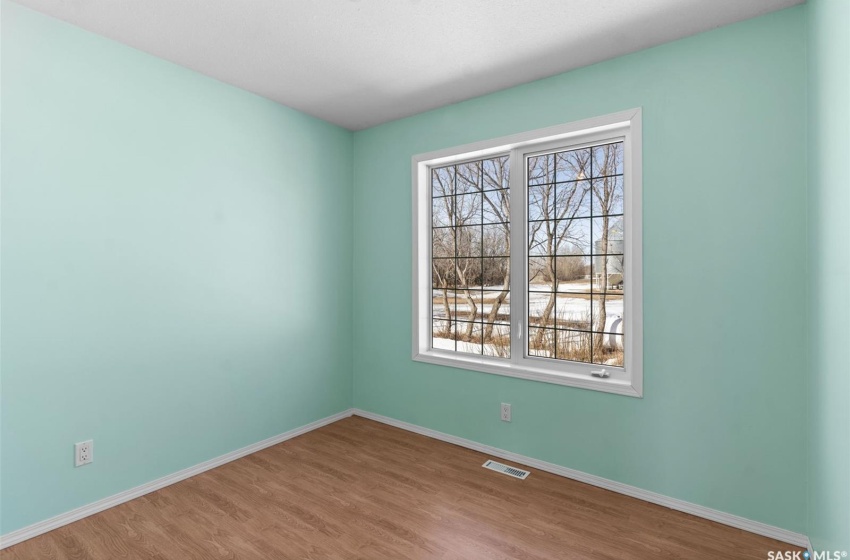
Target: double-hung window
527 255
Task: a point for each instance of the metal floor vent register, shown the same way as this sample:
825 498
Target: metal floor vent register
505 469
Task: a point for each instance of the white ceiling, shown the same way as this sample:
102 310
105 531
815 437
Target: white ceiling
358 63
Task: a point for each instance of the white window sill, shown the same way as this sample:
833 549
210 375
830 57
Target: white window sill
616 384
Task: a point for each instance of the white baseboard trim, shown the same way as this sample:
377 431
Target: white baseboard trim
14 537
797 539
756 527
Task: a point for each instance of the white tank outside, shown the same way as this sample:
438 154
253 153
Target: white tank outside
613 327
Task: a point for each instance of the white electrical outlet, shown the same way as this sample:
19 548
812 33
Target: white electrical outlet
506 412
83 453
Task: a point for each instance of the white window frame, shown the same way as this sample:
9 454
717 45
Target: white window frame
628 380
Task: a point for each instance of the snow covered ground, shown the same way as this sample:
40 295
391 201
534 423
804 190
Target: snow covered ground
473 348
573 310
569 308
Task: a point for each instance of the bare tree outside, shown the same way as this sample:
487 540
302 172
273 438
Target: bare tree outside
553 206
497 210
575 245
574 255
471 256
607 202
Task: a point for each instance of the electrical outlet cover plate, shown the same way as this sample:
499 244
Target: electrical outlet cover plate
83 453
506 412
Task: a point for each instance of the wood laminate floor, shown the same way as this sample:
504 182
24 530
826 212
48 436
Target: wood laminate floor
360 489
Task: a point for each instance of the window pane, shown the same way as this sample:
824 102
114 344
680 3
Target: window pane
470 267
497 340
541 342
539 275
443 243
569 237
574 346
540 238
444 273
541 202
608 160
611 321
574 311
466 209
496 207
468 177
572 200
496 274
541 309
562 237
442 337
497 306
468 241
471 295
469 305
468 337
608 274
496 240
608 349
441 211
581 189
608 236
541 169
496 173
469 273
443 304
574 273
607 196
575 248
573 165
443 181
576 233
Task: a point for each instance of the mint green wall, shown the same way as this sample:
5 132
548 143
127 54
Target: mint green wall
176 267
723 422
153 219
829 253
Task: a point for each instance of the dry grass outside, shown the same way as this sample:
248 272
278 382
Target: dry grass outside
610 294
563 321
566 345
575 343
438 300
559 322
570 342
574 346
499 346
